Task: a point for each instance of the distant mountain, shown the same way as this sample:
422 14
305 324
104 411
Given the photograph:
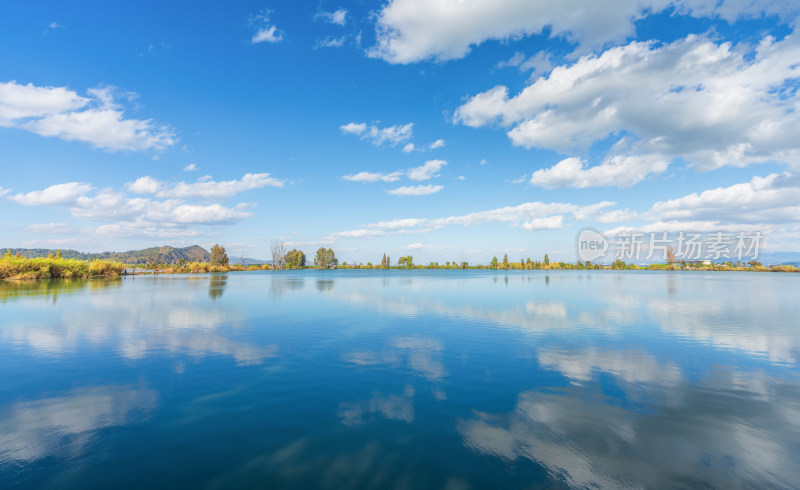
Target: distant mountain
233 260
161 255
776 258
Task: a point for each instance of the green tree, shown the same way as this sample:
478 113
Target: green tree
407 262
493 263
325 258
546 259
295 259
218 256
505 261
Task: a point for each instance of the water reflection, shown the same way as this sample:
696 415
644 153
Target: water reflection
718 435
216 285
280 285
629 366
416 379
391 407
421 354
50 289
56 425
714 310
158 314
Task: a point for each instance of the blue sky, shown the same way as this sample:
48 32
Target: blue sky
431 128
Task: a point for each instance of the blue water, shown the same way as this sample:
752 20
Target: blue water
402 379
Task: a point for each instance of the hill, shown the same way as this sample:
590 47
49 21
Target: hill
161 255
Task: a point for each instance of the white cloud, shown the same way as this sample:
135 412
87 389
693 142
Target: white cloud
710 104
392 135
338 17
417 190
54 195
408 148
436 144
539 63
373 177
266 32
147 217
764 200
331 42
427 171
144 185
98 120
208 214
548 223
529 215
19 102
354 128
204 188
408 31
396 224
620 171
190 168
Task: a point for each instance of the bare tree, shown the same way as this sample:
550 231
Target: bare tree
278 253
670 256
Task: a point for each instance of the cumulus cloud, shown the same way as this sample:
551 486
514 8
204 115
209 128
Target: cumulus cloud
764 200
266 32
416 190
373 177
190 168
137 216
338 17
436 144
98 119
19 102
549 223
427 171
391 135
530 215
408 148
204 188
53 195
712 104
620 171
409 31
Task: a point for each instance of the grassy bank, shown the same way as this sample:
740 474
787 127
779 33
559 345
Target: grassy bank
16 267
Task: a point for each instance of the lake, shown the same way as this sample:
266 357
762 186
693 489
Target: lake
402 379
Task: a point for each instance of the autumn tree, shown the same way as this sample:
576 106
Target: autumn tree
218 256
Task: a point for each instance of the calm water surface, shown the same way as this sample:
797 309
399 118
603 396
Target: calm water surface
402 379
